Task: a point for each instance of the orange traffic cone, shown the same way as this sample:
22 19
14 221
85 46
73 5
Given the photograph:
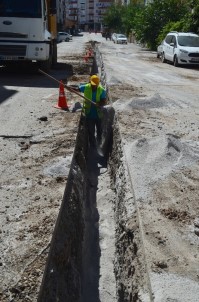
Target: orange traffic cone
86 58
90 53
62 103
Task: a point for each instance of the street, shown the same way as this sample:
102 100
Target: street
156 107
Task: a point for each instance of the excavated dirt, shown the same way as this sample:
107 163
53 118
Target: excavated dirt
164 172
28 214
38 162
152 181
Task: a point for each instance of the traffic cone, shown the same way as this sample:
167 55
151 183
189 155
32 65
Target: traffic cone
62 103
86 58
90 53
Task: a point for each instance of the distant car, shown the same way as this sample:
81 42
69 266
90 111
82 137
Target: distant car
160 49
63 36
181 48
113 37
120 39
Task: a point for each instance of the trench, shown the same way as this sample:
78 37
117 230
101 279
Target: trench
96 253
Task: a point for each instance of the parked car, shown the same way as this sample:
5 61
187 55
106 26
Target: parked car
113 37
160 50
181 48
120 39
63 36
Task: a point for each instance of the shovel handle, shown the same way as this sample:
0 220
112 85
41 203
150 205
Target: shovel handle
68 88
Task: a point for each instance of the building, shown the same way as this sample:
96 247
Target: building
61 14
86 14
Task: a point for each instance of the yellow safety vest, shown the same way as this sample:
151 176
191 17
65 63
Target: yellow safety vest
88 95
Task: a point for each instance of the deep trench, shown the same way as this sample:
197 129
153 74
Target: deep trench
87 263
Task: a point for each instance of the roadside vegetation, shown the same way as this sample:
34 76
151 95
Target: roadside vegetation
150 23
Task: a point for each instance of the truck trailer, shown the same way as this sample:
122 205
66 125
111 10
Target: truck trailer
28 32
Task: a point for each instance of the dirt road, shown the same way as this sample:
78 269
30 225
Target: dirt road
153 166
158 110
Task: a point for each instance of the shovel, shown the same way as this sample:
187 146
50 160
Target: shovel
68 88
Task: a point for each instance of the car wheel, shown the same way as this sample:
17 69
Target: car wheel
158 55
175 61
163 58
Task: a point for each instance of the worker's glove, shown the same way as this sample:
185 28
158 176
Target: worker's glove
73 87
102 103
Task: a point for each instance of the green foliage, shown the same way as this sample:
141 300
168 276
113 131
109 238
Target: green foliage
155 16
152 22
113 18
120 18
171 26
193 18
128 18
188 23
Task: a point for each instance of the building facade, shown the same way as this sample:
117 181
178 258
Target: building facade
61 14
86 14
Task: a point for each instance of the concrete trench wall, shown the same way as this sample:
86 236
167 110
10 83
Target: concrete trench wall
132 283
62 280
62 276
130 270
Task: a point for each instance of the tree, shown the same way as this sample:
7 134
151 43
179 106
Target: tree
113 18
193 17
152 22
171 26
129 16
155 15
189 22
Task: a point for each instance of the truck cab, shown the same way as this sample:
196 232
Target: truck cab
28 32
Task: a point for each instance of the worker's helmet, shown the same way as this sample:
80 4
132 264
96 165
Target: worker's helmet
94 80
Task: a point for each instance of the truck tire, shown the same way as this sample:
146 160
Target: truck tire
46 65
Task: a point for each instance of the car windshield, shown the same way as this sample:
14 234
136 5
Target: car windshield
22 8
121 36
189 41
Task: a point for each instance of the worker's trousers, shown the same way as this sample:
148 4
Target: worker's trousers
94 126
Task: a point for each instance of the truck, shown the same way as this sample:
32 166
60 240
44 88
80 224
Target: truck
28 32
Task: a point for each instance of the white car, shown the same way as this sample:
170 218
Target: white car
181 48
113 37
63 36
120 39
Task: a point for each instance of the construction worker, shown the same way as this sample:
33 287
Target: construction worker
91 110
